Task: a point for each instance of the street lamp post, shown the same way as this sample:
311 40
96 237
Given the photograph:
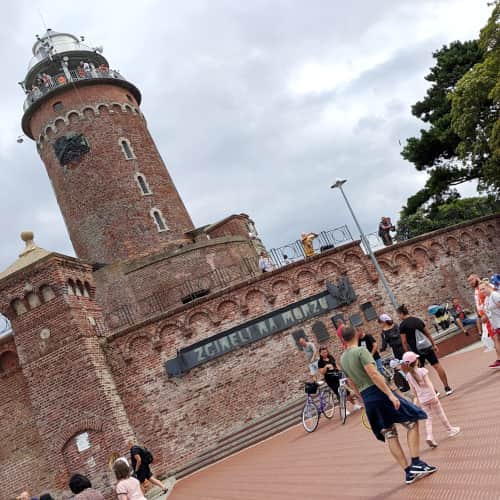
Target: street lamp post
338 184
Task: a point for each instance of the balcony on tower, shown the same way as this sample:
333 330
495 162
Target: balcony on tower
61 61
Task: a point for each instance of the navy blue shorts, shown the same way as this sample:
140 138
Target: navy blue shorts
382 414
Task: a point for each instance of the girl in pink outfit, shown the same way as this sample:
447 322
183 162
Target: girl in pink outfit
127 487
422 387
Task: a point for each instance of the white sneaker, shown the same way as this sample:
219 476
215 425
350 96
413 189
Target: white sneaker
454 431
347 412
356 407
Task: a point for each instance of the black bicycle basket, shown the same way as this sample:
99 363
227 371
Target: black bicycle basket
311 387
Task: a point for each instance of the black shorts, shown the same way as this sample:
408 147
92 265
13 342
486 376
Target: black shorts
429 356
143 473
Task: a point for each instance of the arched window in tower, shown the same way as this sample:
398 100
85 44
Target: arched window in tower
79 289
47 293
33 300
143 185
18 306
158 219
127 148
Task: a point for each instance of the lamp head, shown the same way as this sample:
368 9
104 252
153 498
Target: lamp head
338 183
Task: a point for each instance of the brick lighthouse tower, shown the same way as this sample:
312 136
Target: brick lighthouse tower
115 193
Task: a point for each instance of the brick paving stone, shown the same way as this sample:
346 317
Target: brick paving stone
347 462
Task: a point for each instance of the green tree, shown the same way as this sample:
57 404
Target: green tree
435 149
447 214
475 109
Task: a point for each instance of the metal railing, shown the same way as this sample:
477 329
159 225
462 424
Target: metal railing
169 298
294 251
62 79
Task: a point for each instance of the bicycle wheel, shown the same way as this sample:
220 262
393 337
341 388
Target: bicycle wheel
343 405
388 374
310 416
364 420
328 404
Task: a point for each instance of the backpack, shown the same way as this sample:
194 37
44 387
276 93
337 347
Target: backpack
401 382
146 455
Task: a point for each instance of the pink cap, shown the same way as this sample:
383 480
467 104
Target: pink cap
409 357
384 318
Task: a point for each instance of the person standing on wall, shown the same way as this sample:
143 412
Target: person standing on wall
416 337
492 310
383 407
312 356
141 459
307 243
391 336
384 231
265 264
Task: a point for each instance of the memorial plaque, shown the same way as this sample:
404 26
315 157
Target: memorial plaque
201 352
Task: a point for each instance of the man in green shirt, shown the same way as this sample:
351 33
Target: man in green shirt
384 408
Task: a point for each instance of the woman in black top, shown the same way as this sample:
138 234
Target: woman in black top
391 336
409 328
328 368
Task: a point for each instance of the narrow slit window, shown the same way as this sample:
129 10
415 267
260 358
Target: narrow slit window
159 220
143 185
127 149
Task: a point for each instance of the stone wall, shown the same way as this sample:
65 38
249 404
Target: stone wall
188 414
77 381
108 216
162 280
22 461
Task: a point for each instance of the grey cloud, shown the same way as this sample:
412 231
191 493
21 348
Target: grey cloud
216 83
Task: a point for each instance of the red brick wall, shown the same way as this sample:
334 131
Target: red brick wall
232 226
66 377
107 216
171 274
22 461
189 414
77 381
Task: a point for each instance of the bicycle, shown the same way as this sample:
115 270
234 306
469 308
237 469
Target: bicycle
311 412
343 391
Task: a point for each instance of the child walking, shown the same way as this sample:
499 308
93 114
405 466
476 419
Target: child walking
422 387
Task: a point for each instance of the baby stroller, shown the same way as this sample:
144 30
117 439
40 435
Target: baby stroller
441 316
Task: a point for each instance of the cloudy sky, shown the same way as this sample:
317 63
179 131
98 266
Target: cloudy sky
256 106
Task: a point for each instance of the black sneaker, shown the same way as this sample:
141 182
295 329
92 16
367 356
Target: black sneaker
448 390
421 468
410 477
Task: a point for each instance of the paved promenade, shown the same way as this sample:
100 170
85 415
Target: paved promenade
347 462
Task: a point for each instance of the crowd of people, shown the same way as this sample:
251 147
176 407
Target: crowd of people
131 477
413 346
43 81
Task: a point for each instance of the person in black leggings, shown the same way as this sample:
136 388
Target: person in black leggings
328 368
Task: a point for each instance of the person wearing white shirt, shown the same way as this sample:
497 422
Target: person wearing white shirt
492 310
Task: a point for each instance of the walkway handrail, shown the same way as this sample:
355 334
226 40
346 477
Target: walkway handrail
170 298
294 251
62 79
